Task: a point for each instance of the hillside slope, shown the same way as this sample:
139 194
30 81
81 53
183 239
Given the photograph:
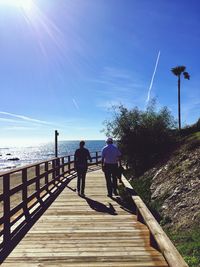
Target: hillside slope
175 185
172 192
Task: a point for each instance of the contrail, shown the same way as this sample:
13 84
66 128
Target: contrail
152 79
25 118
75 103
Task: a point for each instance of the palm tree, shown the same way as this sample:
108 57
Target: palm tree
178 71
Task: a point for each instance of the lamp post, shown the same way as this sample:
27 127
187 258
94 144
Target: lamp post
56 143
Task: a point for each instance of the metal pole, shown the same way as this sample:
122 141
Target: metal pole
56 143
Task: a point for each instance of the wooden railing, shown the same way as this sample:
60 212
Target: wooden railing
158 237
27 192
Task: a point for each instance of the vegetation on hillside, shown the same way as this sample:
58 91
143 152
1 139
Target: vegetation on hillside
188 244
176 205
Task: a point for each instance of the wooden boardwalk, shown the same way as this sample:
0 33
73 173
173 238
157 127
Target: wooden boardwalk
89 232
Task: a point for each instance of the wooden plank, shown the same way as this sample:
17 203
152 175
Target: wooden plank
89 264
93 231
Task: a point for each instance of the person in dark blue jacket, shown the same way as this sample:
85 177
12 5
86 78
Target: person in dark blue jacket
81 157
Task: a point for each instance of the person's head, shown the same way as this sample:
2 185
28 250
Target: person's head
109 140
82 143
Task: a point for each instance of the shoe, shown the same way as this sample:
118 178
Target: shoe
109 195
116 193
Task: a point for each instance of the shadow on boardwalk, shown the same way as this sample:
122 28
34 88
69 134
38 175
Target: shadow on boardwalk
125 205
100 207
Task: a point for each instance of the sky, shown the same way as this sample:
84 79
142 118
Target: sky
65 63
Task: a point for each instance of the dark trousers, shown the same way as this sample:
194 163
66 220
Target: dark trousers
111 177
81 173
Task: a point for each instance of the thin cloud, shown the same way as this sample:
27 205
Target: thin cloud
24 118
152 79
120 82
9 120
119 87
19 128
116 73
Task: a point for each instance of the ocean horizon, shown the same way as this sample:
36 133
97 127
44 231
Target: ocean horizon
16 156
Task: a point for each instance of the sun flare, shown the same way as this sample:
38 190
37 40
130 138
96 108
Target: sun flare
26 5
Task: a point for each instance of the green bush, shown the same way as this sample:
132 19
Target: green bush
144 136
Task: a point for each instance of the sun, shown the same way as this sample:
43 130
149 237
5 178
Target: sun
26 5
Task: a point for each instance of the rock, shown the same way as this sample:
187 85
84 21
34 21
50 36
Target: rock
181 205
13 159
164 207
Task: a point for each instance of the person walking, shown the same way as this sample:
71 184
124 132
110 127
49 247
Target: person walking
81 157
111 157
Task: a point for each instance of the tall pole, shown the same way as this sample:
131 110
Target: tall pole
56 143
179 103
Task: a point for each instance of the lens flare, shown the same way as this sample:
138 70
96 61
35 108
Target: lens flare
26 5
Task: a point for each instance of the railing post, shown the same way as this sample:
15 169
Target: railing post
46 168
37 183
56 143
58 168
24 188
63 167
6 209
96 158
69 167
25 192
53 169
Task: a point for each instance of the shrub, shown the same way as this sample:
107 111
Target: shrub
143 136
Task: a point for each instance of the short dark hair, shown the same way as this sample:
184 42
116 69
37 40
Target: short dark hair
109 140
82 143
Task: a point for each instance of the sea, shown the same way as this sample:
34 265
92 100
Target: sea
13 157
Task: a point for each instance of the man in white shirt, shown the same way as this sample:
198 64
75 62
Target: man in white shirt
111 157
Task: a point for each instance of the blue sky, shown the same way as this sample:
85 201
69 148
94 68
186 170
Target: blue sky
64 63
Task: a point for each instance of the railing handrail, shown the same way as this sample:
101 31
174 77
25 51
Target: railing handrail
18 169
158 237
27 166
